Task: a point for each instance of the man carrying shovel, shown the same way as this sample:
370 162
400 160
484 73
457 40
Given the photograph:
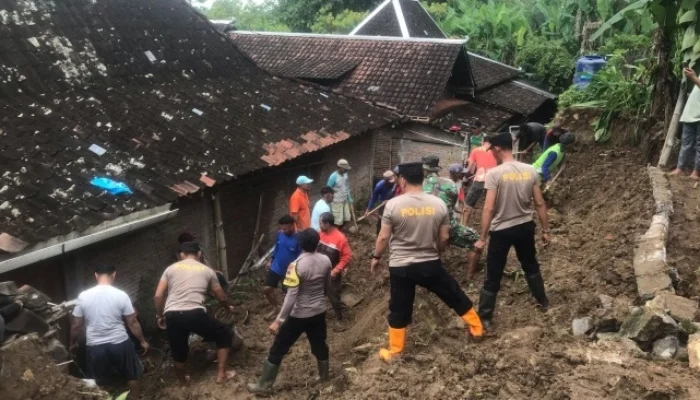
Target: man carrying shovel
383 192
552 158
342 200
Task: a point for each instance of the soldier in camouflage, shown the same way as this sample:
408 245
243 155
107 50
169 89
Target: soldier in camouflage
460 236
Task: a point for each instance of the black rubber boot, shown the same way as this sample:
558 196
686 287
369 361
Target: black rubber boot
536 285
324 371
267 379
487 305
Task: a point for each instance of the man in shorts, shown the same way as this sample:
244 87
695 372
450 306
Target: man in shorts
100 310
286 250
180 310
481 160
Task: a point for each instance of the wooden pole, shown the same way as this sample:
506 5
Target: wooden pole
220 238
672 129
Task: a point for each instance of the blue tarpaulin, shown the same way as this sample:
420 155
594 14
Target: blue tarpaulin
112 186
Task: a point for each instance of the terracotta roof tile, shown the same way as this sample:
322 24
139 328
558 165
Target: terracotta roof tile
166 105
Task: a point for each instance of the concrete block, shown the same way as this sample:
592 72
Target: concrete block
680 308
648 286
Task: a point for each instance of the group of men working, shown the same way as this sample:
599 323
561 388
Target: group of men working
421 217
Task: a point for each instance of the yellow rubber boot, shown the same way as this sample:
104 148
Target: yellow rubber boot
471 318
397 339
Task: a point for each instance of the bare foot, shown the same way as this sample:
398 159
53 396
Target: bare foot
694 175
226 376
676 172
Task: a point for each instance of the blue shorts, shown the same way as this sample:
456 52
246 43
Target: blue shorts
103 359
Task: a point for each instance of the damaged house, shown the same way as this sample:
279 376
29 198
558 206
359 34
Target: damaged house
146 93
399 58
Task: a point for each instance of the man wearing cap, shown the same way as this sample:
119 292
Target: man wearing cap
383 191
285 252
322 206
299 207
552 136
551 159
480 161
180 310
460 235
511 189
418 225
342 200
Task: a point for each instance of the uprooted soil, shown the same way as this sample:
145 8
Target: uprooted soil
29 373
601 204
683 248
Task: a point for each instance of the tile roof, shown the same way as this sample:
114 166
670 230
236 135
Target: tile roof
406 18
410 75
493 118
145 92
516 97
488 73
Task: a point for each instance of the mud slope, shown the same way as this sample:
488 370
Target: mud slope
683 248
602 202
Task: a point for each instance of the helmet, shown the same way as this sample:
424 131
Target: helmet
567 138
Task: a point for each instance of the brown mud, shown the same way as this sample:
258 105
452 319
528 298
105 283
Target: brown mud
601 203
683 248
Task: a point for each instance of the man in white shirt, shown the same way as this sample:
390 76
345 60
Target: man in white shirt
101 311
690 141
322 206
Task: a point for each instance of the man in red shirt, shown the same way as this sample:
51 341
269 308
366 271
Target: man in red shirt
335 245
480 161
299 207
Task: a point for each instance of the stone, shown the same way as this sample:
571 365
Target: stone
582 326
527 334
694 351
648 326
424 358
665 348
606 301
363 348
682 354
678 307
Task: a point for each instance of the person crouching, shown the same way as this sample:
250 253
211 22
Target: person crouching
303 311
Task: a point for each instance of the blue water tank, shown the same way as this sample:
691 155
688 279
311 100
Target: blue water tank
586 67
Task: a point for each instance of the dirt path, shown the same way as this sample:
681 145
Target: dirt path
683 248
602 203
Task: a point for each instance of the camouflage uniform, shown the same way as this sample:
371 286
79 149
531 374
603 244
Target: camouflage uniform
460 235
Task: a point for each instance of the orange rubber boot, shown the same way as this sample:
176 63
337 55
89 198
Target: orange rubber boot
397 339
471 318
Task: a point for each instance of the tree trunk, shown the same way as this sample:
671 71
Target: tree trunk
663 84
672 129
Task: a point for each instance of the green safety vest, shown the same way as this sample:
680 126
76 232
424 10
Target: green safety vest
542 158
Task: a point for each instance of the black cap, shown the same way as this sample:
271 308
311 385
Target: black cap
190 248
411 169
431 163
503 140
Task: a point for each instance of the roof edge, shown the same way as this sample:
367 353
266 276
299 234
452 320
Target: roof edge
356 37
537 90
369 17
493 61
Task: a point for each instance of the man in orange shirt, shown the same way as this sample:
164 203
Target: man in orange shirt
299 207
334 244
480 161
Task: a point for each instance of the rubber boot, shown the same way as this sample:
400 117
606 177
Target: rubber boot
536 285
397 339
487 305
471 318
267 379
324 374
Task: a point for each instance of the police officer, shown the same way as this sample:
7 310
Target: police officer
511 191
460 235
419 227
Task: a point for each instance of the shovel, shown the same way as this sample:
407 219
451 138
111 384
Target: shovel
354 228
372 211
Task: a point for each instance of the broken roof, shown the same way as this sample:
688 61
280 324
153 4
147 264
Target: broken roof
407 74
110 88
516 96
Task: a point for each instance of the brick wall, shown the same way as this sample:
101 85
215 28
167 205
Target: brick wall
411 143
240 200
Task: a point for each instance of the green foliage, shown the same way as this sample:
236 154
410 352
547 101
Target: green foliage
617 89
250 16
341 23
301 15
548 62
